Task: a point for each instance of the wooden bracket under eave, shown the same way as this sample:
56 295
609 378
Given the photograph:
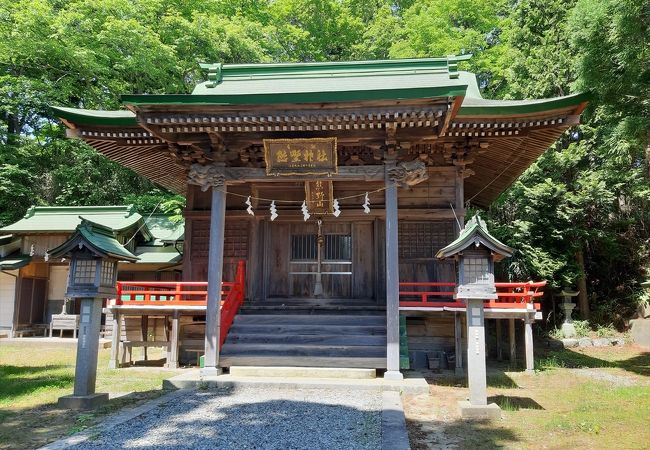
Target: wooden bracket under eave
451 114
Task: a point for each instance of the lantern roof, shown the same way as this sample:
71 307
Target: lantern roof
475 233
99 239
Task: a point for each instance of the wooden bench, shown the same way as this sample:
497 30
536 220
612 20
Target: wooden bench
64 322
157 335
192 339
32 329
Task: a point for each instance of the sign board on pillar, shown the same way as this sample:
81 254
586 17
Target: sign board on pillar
319 195
315 156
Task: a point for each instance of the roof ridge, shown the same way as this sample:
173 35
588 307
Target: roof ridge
126 210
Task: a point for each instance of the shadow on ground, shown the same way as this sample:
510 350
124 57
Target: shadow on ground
549 359
514 403
463 434
17 381
496 378
227 418
34 427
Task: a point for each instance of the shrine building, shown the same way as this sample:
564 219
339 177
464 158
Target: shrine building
318 195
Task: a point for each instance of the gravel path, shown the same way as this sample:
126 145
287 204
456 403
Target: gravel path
253 418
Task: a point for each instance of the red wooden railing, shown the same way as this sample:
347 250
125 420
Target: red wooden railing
511 295
186 293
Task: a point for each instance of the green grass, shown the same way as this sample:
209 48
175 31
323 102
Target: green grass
32 378
556 407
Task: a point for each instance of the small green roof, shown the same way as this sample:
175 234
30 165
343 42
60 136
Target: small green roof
14 261
98 238
65 219
163 230
157 255
475 233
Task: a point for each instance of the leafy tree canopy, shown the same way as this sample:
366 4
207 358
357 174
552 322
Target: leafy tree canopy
580 214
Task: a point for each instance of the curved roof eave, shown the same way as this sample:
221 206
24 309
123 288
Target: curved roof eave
96 117
478 107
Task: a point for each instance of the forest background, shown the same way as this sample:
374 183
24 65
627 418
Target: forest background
580 216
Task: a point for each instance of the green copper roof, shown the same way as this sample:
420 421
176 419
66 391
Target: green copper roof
157 255
98 238
475 233
14 261
95 117
65 219
268 84
164 230
252 84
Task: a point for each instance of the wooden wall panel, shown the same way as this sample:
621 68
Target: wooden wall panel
363 261
278 259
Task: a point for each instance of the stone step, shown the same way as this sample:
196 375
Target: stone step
302 319
322 339
302 372
297 361
307 329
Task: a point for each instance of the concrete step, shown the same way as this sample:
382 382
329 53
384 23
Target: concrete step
238 349
311 361
303 372
322 339
307 329
302 319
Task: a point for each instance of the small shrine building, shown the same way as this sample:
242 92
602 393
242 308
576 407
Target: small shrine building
336 184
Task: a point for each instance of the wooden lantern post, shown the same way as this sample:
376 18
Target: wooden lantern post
476 250
94 253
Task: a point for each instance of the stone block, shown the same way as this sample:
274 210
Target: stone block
569 343
641 332
601 342
618 341
469 411
82 402
585 342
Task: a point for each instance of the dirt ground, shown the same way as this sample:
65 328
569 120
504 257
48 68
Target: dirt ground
597 398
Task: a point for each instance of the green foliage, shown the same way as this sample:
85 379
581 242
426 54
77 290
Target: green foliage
582 328
588 194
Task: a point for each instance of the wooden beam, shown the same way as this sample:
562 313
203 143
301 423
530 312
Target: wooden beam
513 343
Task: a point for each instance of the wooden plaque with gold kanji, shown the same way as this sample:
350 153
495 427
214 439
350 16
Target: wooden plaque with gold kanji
319 195
315 156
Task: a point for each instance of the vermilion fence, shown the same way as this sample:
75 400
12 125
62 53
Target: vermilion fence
186 293
437 295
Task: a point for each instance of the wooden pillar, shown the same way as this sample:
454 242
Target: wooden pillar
392 280
114 363
172 349
460 194
499 341
215 271
458 341
513 343
530 361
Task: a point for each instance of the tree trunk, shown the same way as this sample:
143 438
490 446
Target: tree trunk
583 298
